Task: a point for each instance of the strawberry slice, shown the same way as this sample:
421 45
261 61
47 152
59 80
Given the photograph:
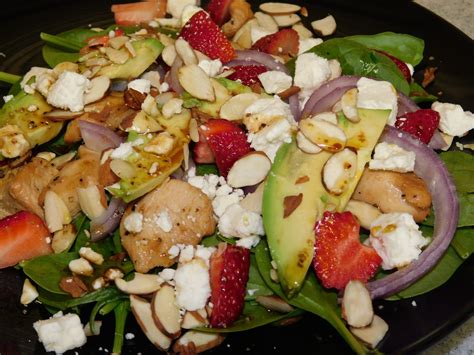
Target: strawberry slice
202 153
247 74
205 36
219 11
422 124
22 236
228 142
339 255
401 65
283 42
229 273
138 12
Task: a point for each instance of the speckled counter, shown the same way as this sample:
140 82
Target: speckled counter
460 13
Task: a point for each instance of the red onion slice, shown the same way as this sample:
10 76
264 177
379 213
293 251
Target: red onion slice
345 81
108 222
445 204
261 58
234 63
98 137
295 106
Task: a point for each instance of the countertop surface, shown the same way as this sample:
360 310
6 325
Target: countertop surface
460 14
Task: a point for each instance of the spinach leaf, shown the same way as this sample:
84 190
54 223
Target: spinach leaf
206 169
121 314
463 242
402 46
312 298
357 59
466 212
48 270
61 43
254 315
216 238
256 286
419 94
82 225
461 167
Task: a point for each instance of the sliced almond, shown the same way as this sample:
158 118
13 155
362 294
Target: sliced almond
194 319
286 20
302 31
55 212
62 115
279 8
165 311
91 201
169 22
163 98
448 139
60 161
339 170
335 67
349 105
326 135
243 36
195 81
266 21
274 303
193 130
142 311
372 334
28 293
201 56
306 145
169 55
97 90
118 42
193 342
122 169
65 66
188 12
357 307
117 56
249 170
325 26
64 238
142 123
330 117
234 108
254 200
185 52
172 107
141 284
364 212
113 274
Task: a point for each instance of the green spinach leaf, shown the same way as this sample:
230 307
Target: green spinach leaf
463 242
402 46
466 212
256 286
206 169
121 314
461 167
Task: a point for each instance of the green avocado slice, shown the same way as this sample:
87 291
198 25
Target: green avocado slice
296 176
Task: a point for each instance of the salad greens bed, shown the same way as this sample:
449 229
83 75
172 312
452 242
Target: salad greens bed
358 56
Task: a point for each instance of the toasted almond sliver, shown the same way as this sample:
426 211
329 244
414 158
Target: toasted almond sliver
193 130
141 284
185 52
325 26
117 56
286 20
234 108
98 89
266 21
122 169
302 31
326 135
90 200
349 105
373 333
55 212
357 307
279 8
169 55
249 170
118 42
195 81
339 170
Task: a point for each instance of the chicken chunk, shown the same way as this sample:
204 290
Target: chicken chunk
394 192
174 213
82 172
8 205
29 182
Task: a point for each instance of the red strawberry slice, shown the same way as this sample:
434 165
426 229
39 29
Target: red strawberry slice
247 74
229 273
422 124
22 236
227 141
401 65
283 42
339 255
205 36
202 153
219 11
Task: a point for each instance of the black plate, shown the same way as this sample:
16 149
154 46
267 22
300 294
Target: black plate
411 328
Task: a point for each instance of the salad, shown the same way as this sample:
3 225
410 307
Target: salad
210 170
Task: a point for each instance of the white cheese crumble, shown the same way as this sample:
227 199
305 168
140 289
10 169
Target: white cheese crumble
122 151
266 110
222 202
311 71
167 274
192 285
133 222
164 87
392 157
141 85
176 7
397 239
275 81
7 98
68 91
61 333
257 32
163 220
308 43
240 223
211 67
248 242
269 139
377 95
453 119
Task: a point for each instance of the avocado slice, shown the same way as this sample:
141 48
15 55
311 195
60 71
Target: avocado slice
295 174
36 129
147 50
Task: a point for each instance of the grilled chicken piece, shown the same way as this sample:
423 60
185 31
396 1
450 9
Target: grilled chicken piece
187 209
29 182
8 205
394 192
82 172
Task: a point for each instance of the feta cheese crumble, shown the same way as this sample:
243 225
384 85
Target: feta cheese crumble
392 157
238 222
141 85
61 333
133 222
453 119
397 239
274 81
269 139
192 285
308 43
377 95
163 220
211 67
68 91
265 111
311 71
